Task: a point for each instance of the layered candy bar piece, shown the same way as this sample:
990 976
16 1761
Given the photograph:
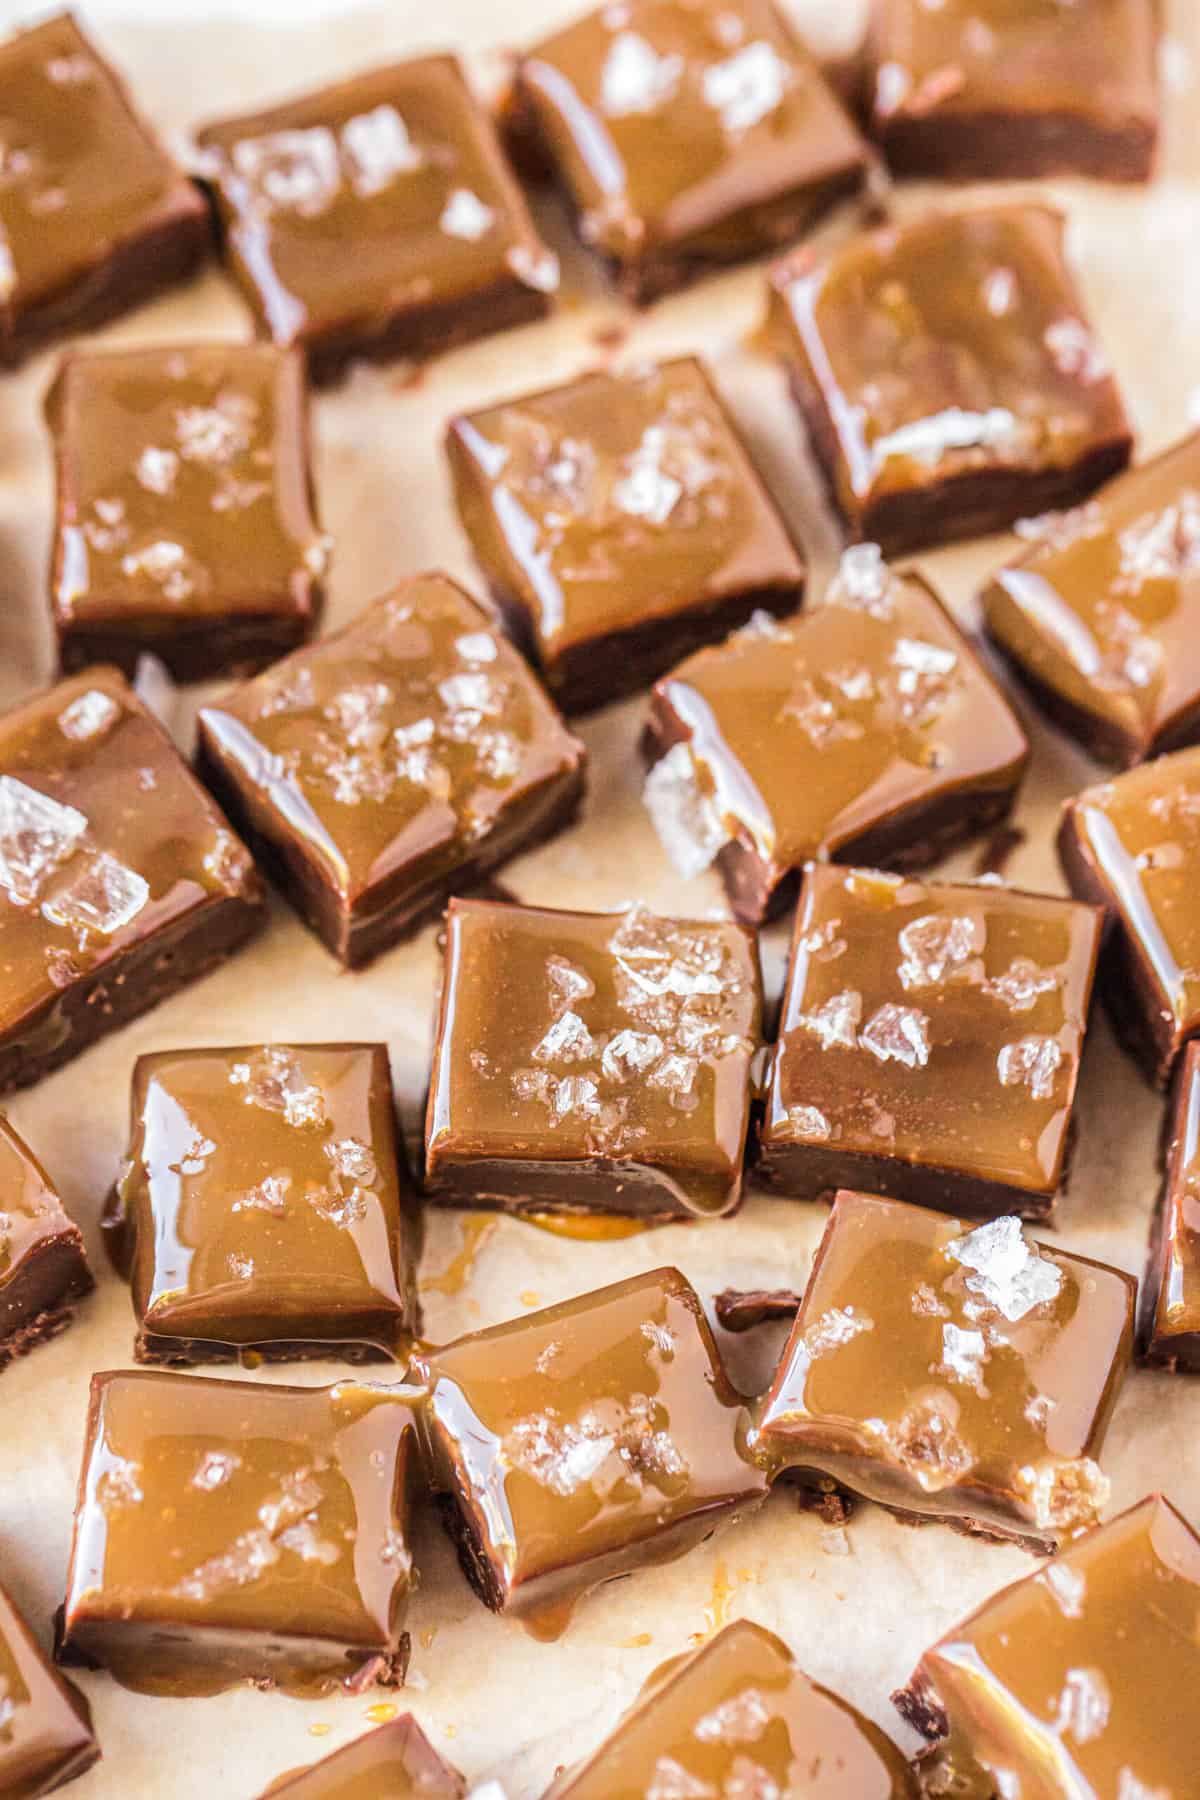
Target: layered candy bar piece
120 881
1077 1679
930 1042
864 729
947 1372
264 1206
592 1062
229 1532
47 1739
377 218
620 522
396 1761
686 134
391 764
185 520
576 1444
1169 1310
948 374
94 215
43 1264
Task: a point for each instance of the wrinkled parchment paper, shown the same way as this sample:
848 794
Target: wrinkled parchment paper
495 1701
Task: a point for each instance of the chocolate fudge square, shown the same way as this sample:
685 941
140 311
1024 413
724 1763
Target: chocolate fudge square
687 135
45 1267
583 1442
948 374
120 881
1082 1671
395 1761
392 763
95 217
1132 845
620 522
592 1062
47 1740
737 1716
227 1532
1100 617
954 1373
1169 1310
184 521
263 1206
377 218
864 728
970 90
930 1043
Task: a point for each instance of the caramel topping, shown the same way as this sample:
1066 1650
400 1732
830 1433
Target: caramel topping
1171 1291
396 1761
46 1735
31 1212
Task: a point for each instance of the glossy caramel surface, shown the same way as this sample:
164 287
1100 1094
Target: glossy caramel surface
263 1200
381 756
394 1762
381 196
1103 609
106 840
737 1717
671 121
952 1369
954 344
938 1024
183 485
617 1038
587 1440
1077 1679
1171 1291
614 501
228 1531
46 1736
802 735
83 175
31 1213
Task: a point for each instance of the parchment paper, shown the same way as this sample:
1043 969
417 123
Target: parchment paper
497 1702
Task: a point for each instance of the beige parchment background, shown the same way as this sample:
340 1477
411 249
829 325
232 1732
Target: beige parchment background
497 1702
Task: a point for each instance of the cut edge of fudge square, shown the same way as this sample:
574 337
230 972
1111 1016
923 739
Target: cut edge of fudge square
1022 602
625 655
927 129
357 920
922 1466
377 1325
551 125
40 835
1169 1309
811 1167
395 1751
254 627
616 1170
164 247
64 1744
935 508
153 1636
46 1275
406 323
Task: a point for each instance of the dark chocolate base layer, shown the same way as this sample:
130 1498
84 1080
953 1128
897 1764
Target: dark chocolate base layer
189 1353
1019 146
742 1309
579 1189
417 335
198 649
817 1171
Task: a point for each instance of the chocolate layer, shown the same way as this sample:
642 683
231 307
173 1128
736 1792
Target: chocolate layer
48 1738
45 1267
1169 1311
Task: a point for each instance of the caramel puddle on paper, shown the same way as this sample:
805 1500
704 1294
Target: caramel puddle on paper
593 1228
476 1227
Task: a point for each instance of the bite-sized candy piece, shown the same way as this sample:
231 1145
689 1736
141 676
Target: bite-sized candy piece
264 1206
391 764
120 881
1169 1310
185 519
1133 846
864 728
227 1532
394 1762
94 215
1101 615
620 521
975 89
1078 1679
47 1739
686 134
948 374
737 1717
44 1264
377 218
592 1062
576 1444
952 1372
930 1042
